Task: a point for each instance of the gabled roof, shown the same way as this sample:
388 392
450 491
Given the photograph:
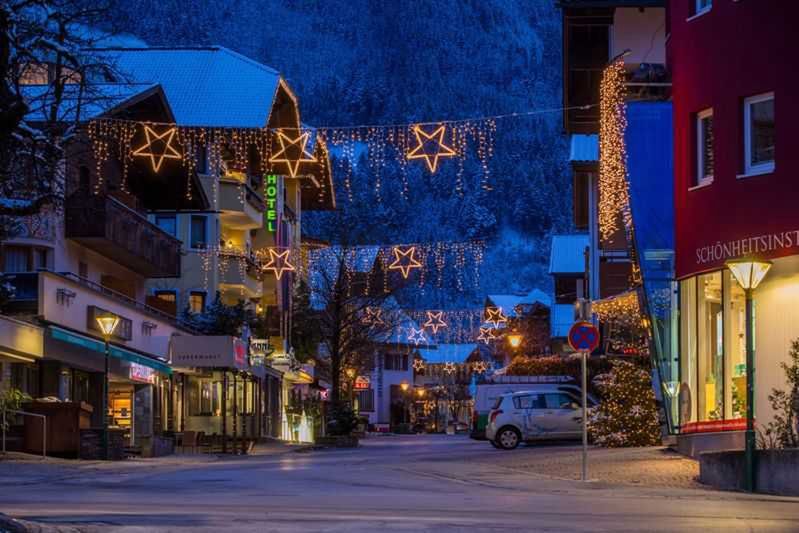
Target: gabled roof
509 302
208 86
584 148
447 353
92 101
567 255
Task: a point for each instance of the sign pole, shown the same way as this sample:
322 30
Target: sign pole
584 354
584 338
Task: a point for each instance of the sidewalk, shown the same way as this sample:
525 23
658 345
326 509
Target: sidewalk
649 467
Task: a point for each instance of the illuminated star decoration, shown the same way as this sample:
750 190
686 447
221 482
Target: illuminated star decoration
405 266
418 365
434 321
423 138
479 367
373 316
293 163
449 367
416 336
486 335
157 157
495 316
279 263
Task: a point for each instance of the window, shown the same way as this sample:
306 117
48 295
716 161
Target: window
710 347
16 259
205 397
199 232
704 148
702 6
167 296
396 361
559 401
40 259
197 301
202 159
168 223
759 134
529 401
365 400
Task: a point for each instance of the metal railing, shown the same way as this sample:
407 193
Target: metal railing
3 425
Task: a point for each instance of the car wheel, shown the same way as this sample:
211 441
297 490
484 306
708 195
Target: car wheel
494 443
508 438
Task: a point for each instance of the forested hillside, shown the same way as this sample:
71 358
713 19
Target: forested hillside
388 62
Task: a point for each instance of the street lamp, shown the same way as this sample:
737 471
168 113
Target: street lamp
515 340
749 273
108 323
350 372
404 387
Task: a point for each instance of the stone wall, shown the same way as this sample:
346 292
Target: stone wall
777 471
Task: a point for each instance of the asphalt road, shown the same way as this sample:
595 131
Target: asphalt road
413 483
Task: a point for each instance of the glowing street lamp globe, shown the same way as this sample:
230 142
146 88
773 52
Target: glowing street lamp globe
108 323
515 340
749 272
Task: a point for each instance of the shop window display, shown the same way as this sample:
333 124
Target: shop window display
688 338
735 348
710 347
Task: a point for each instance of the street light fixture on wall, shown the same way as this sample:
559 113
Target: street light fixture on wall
749 273
515 340
107 322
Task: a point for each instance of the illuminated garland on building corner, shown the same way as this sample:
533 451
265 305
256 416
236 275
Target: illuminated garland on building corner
614 195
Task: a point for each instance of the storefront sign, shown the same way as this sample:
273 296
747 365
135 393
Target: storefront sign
259 347
270 194
141 373
206 351
239 352
362 383
762 245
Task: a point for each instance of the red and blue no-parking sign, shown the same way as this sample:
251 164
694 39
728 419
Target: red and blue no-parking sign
583 337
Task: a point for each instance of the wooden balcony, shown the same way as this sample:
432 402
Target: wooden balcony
121 234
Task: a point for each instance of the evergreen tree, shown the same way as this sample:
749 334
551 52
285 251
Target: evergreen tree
627 415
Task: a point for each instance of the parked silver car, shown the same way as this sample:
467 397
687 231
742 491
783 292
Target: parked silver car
549 412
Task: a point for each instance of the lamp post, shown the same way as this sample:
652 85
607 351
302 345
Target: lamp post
350 373
749 273
404 387
108 323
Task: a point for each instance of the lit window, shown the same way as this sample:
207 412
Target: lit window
167 223
759 136
199 232
197 302
167 296
703 6
704 147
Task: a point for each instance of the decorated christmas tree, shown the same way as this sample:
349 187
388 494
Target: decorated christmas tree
627 415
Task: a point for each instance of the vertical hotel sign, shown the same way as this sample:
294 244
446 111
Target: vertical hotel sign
270 194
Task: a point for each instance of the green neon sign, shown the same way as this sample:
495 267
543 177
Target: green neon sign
270 193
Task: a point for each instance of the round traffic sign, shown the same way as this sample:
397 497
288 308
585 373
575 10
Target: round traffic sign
583 337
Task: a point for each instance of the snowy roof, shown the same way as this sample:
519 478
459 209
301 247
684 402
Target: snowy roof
584 148
447 353
401 322
561 319
95 99
326 261
567 255
206 85
509 302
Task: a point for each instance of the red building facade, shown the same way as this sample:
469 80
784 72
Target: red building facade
736 156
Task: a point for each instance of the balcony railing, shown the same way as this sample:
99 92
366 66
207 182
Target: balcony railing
26 295
112 229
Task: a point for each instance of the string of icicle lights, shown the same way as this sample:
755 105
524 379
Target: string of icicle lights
302 151
362 268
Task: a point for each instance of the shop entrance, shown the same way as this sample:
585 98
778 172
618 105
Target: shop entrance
120 408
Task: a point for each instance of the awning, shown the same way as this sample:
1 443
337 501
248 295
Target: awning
115 351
